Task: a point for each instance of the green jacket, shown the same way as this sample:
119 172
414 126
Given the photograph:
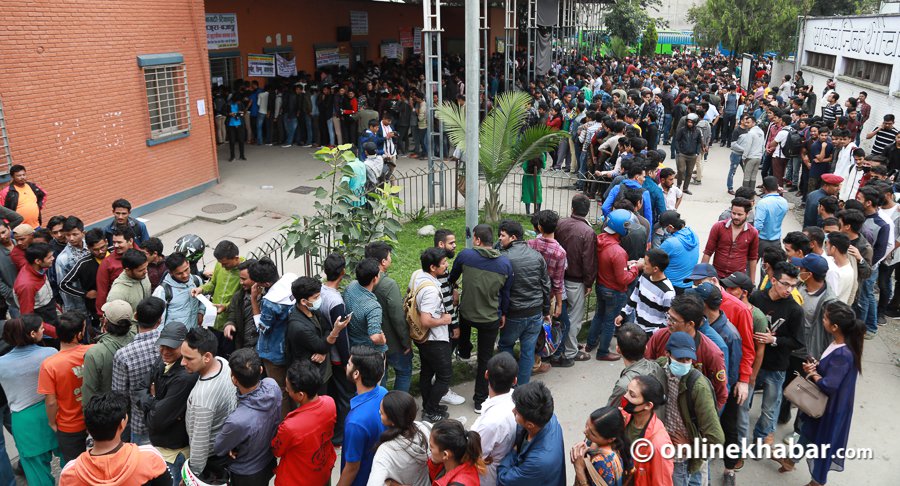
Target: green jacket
703 399
487 278
130 290
98 363
221 287
393 320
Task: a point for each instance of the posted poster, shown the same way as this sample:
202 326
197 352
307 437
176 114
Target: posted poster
406 37
417 40
390 50
261 65
286 66
221 31
331 56
359 22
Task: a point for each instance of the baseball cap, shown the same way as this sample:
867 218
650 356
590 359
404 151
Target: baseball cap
708 293
681 345
117 310
23 229
172 335
738 280
701 271
832 179
670 217
815 264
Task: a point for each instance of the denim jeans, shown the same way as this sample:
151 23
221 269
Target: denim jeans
772 382
792 172
735 162
140 439
866 304
666 127
307 121
175 469
329 123
526 331
609 303
290 127
682 477
260 123
885 285
402 364
7 477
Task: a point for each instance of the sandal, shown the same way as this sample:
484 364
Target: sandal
582 356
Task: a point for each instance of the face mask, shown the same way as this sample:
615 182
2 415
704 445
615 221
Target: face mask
315 305
678 368
628 406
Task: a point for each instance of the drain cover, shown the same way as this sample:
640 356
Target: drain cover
303 190
218 208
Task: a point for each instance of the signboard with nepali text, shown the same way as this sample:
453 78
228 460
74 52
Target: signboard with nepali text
221 31
359 22
261 65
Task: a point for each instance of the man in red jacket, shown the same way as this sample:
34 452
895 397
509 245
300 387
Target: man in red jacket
111 266
32 288
614 273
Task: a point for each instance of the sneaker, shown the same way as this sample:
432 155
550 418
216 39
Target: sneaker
463 356
689 193
478 408
892 312
452 398
870 335
563 363
881 320
792 438
287 145
434 417
268 145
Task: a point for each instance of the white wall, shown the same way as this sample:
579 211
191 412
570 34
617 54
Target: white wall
675 11
872 38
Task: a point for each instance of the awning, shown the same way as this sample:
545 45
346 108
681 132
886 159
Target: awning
676 38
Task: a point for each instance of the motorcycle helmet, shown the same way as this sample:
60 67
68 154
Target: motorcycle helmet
618 222
191 246
191 479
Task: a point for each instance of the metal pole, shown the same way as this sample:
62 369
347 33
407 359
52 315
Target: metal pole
472 149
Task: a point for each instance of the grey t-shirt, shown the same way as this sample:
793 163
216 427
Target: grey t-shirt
19 371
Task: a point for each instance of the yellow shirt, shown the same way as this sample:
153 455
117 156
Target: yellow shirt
27 206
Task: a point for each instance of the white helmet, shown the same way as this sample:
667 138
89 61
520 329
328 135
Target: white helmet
693 117
191 479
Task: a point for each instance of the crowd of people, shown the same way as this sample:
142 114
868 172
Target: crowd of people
112 365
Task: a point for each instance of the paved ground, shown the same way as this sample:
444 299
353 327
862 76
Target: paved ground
261 209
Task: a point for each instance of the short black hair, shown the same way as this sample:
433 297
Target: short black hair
70 325
124 231
72 222
512 228
798 241
369 362
441 235
502 371
379 250
815 234
690 308
485 233
304 377
226 249
830 204
305 287
666 172
153 245
651 390
853 218
104 413
121 203
16 169
246 367
784 268
203 340
366 271
175 260
872 195
534 402
746 193
149 311
839 241
42 234
56 221
770 183
132 258
740 202
547 220
263 271
334 266
632 341
658 258
37 251
431 257
581 205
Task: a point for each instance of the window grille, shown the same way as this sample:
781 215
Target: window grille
167 100
821 61
5 156
870 71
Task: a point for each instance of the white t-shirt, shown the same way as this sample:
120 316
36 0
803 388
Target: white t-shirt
672 196
846 277
430 300
780 139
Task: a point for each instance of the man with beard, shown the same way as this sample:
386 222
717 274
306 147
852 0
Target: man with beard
446 240
734 242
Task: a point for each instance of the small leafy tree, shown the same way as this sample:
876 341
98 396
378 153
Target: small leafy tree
649 40
626 19
341 223
618 48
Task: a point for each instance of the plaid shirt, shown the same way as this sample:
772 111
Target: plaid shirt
660 112
131 365
555 256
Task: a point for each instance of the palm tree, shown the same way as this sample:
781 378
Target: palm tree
503 143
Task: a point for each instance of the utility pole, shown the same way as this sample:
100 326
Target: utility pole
472 150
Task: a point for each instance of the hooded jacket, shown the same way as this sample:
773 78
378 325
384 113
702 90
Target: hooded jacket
130 290
164 412
274 309
181 306
129 465
683 248
611 262
98 363
488 277
403 460
529 294
250 428
647 210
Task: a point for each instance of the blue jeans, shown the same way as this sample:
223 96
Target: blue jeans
666 127
7 477
609 303
735 162
867 305
290 126
260 123
140 439
175 469
402 364
682 477
772 382
526 331
792 170
330 124
307 119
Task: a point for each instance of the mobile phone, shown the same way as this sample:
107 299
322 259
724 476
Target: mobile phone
348 316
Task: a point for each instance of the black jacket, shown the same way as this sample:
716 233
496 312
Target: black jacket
12 197
305 337
165 411
530 291
240 314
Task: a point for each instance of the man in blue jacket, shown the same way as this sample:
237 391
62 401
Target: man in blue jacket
683 248
635 181
538 453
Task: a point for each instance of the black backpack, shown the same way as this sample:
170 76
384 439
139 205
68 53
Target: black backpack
792 144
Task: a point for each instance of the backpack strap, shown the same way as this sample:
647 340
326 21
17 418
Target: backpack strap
692 378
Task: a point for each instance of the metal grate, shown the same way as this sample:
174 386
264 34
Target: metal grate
167 99
303 190
218 208
5 156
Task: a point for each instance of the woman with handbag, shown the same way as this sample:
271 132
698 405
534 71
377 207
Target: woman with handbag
604 457
835 375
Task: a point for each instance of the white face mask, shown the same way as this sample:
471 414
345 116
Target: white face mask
314 305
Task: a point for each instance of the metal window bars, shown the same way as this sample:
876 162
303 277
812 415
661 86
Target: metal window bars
431 31
167 100
4 142
511 30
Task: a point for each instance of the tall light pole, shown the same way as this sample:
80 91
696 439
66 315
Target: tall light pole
472 90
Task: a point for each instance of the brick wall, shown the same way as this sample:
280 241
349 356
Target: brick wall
76 105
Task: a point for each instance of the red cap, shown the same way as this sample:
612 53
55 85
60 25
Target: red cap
832 179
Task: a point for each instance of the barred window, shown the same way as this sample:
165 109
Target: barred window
873 72
5 157
165 77
821 61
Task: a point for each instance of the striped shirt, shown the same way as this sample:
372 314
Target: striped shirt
883 138
447 296
211 402
649 302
